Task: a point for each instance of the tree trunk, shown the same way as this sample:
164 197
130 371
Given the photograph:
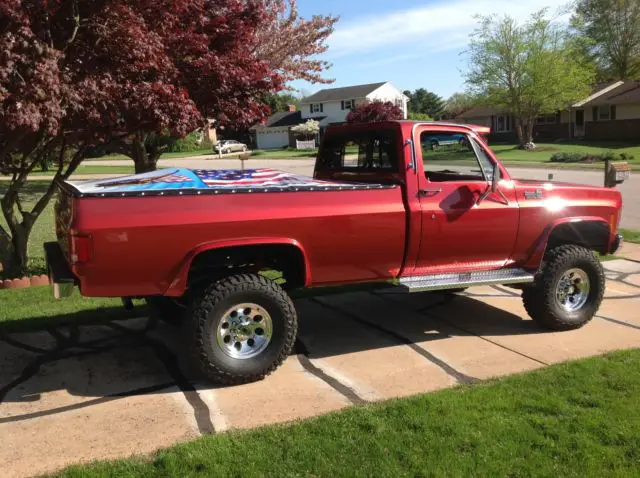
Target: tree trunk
529 131
145 156
520 132
6 251
15 251
20 256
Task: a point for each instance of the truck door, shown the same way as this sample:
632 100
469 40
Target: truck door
465 226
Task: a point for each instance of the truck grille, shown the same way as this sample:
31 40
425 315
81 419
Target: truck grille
64 213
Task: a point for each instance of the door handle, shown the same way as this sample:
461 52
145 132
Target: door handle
428 192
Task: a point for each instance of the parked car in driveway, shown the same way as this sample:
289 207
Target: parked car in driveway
230 146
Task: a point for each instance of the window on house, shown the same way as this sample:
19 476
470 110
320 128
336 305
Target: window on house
316 108
546 119
360 151
399 103
454 157
604 113
503 124
348 104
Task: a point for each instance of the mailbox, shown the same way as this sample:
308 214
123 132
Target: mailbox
616 172
243 157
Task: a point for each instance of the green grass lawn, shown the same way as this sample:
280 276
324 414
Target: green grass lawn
510 154
182 154
91 169
630 235
573 420
35 308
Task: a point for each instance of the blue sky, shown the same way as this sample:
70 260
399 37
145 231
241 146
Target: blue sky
412 43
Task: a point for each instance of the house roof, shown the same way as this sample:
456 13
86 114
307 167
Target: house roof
344 93
283 119
626 92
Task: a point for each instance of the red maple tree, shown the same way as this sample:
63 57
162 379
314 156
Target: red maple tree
74 74
375 111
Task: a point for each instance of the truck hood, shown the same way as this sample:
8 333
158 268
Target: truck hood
549 184
178 181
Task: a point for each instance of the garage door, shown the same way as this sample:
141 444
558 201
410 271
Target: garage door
272 139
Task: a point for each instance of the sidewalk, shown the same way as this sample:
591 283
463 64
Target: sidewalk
629 251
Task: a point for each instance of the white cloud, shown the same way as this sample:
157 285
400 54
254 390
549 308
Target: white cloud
440 26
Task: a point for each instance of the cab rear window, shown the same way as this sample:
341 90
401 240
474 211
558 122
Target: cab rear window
359 151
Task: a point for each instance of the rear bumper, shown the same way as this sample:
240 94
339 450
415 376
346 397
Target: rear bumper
615 245
62 279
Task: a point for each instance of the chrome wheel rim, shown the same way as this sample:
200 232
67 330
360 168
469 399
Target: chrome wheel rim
244 331
572 290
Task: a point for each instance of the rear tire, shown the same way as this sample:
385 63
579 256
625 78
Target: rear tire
240 329
568 289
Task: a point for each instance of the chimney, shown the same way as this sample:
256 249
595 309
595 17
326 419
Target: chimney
292 108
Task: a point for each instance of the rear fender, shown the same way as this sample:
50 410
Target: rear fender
179 283
589 231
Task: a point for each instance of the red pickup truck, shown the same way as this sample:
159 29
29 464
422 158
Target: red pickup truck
425 205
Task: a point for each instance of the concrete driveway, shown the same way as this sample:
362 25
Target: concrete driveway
94 391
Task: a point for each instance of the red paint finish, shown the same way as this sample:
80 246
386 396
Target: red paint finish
143 246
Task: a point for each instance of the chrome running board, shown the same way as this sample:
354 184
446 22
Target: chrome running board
464 279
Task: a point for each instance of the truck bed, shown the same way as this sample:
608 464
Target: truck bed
142 229
182 181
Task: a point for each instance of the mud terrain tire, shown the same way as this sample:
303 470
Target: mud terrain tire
541 300
210 318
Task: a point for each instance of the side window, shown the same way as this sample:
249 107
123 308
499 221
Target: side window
453 157
485 161
364 151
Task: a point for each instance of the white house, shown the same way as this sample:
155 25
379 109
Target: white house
331 105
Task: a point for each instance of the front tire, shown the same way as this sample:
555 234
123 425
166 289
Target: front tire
568 290
240 329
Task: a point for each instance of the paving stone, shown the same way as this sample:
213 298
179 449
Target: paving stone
504 321
462 351
350 355
622 265
114 429
290 393
630 251
633 279
625 310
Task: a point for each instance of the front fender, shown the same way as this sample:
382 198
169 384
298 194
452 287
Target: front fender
178 284
540 246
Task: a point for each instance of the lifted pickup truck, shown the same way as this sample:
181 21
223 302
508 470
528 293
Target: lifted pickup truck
202 246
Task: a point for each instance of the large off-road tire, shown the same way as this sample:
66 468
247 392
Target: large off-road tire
165 309
240 329
568 289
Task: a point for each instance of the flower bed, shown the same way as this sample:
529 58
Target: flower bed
589 158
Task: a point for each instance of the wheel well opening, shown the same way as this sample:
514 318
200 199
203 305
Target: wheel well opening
280 262
593 235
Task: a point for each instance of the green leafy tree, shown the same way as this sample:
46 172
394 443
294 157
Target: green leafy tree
526 69
281 101
608 32
419 117
458 103
425 102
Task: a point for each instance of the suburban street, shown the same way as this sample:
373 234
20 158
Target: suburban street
630 189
